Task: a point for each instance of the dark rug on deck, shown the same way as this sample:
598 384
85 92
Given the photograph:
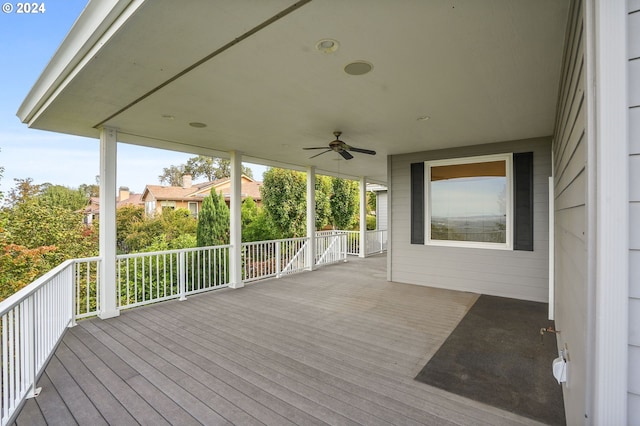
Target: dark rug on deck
496 356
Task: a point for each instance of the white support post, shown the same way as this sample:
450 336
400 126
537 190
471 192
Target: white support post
108 167
608 90
235 252
311 218
363 217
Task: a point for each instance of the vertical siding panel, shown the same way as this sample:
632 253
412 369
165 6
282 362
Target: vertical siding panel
634 130
571 236
633 29
381 210
634 273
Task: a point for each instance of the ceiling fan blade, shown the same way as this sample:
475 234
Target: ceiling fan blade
345 155
314 156
317 147
362 151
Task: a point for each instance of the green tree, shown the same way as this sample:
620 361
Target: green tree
248 211
372 200
344 203
1 176
323 201
172 175
200 166
37 235
284 200
256 225
20 266
23 191
58 195
261 229
213 221
129 220
91 189
174 229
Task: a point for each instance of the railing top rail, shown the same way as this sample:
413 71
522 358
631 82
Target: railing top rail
335 232
282 240
87 259
15 299
154 253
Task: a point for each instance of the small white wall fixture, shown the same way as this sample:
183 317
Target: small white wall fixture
235 252
108 169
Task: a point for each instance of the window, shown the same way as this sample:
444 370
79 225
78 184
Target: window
469 202
150 208
193 208
168 205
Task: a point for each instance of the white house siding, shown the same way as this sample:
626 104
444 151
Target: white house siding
381 210
634 211
570 194
516 274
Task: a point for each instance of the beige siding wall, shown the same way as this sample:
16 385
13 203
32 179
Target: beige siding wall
634 211
571 232
517 274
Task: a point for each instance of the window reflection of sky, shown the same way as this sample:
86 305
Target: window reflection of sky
464 197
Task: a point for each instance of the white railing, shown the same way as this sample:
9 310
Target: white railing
33 321
86 284
295 256
152 277
274 258
331 248
376 241
352 242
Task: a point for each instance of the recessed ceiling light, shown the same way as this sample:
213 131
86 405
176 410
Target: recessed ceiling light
423 118
327 45
197 124
358 68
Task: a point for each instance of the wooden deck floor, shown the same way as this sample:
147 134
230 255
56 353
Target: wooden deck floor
336 346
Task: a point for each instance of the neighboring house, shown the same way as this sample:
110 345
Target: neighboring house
124 198
509 93
189 196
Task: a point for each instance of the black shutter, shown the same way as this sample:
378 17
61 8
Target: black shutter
417 203
523 201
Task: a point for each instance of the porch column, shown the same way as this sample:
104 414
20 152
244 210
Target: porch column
311 217
607 93
235 227
363 217
108 166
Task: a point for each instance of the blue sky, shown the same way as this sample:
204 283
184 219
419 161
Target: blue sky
27 44
466 197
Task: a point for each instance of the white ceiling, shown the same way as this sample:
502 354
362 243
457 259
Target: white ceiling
482 70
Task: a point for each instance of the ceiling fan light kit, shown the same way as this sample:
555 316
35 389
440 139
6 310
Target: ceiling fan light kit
341 148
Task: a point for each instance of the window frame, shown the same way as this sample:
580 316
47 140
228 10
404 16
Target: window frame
197 210
509 199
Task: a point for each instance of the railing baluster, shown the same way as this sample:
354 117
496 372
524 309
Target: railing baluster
182 275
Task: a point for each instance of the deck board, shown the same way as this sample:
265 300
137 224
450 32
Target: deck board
336 346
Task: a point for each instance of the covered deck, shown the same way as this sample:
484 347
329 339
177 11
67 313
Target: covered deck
340 345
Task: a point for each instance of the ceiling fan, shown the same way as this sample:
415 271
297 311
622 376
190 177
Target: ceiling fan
341 148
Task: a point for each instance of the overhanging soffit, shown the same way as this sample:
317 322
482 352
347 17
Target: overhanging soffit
444 74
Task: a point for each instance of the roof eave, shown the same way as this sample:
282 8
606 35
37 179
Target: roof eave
97 23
